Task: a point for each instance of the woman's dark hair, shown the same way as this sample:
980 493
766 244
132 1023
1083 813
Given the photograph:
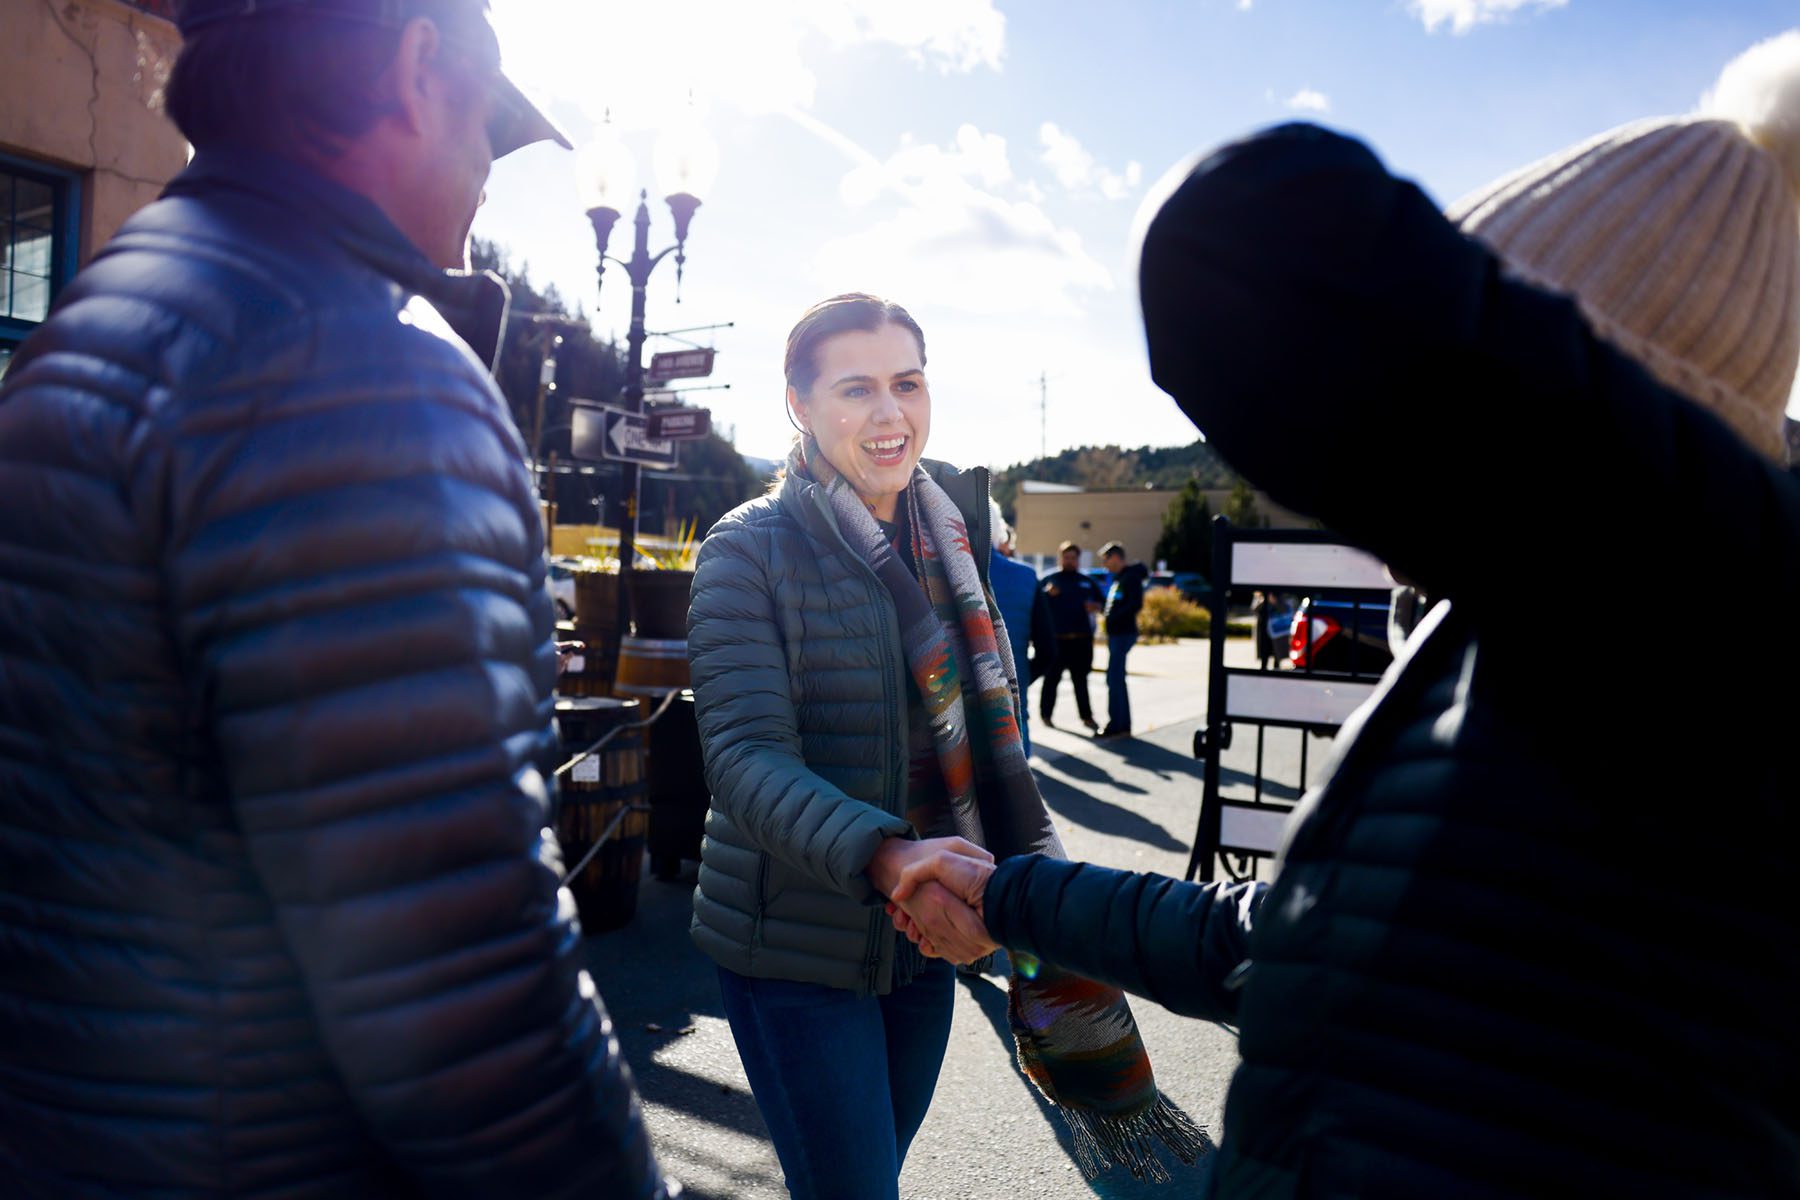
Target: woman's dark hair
840 314
292 82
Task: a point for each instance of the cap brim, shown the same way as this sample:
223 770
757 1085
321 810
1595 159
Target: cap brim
528 126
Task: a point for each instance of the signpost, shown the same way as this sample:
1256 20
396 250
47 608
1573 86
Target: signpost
679 424
601 431
680 364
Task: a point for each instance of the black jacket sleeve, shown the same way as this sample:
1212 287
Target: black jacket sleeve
1168 941
1351 351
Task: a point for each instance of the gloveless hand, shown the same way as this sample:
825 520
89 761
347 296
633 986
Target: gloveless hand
939 921
938 904
890 860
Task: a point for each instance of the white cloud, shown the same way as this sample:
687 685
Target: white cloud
952 35
1245 5
1076 169
639 62
1309 101
1463 15
922 167
951 239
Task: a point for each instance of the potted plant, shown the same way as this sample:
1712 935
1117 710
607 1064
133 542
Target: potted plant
659 585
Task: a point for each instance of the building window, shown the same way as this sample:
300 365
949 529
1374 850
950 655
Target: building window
38 206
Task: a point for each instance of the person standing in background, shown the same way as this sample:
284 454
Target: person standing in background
1072 599
1262 610
1025 613
1123 600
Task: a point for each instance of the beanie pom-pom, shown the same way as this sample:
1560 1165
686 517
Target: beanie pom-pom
1759 90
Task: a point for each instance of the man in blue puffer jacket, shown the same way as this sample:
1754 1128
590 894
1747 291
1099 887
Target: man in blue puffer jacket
278 914
1493 963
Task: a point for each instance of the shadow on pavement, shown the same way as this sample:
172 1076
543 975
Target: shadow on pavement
1073 804
1147 753
1116 1183
1089 772
1272 789
655 984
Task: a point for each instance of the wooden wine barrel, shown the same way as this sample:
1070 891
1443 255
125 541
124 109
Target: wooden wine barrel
651 667
593 793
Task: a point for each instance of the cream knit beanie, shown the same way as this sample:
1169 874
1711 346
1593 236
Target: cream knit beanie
1679 238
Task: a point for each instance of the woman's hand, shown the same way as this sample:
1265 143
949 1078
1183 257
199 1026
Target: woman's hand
895 854
935 918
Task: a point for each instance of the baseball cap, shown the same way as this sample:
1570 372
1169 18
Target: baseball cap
516 121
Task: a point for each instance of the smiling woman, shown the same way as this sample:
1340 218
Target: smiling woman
856 386
858 706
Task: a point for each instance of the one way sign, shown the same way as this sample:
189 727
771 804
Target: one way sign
601 431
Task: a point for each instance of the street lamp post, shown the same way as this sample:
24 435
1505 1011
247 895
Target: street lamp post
686 161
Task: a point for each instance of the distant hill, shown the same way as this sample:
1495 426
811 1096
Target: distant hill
1114 467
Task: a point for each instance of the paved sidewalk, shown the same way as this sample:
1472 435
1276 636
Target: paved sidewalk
1130 804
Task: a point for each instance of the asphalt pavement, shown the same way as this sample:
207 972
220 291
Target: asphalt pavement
989 1136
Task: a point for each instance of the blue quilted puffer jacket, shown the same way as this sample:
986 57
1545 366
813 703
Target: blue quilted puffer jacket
278 914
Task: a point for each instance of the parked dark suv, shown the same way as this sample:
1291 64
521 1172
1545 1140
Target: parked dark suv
1339 635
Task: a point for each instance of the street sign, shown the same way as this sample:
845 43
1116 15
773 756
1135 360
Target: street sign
680 364
602 431
679 424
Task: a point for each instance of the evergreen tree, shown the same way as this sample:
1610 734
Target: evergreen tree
1240 507
1186 539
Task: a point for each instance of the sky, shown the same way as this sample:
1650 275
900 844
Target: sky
982 162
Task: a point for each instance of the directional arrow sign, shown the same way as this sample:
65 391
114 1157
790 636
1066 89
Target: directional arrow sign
680 424
606 432
680 364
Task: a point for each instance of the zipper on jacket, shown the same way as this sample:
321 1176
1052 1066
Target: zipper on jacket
896 704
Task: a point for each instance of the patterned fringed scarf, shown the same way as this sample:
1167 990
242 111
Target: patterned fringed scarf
1076 1038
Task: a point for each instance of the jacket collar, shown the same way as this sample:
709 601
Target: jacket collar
967 489
473 303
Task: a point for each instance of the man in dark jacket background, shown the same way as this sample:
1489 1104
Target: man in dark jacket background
1496 960
1124 597
1073 599
278 913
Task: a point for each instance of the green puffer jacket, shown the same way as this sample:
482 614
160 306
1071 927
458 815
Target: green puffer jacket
800 685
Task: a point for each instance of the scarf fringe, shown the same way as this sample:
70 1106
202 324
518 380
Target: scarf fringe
1102 1140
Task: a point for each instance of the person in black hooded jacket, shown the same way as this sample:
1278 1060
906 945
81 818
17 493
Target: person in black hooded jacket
1494 961
1124 600
279 914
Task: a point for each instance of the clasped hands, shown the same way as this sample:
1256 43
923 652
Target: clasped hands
934 888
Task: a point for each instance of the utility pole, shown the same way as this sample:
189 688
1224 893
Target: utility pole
1044 418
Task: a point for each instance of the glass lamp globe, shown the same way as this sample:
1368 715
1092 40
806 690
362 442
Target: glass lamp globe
686 159
606 173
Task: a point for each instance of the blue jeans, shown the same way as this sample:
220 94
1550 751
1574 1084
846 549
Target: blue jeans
842 1080
1118 702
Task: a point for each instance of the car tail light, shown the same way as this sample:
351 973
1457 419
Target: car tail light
1319 629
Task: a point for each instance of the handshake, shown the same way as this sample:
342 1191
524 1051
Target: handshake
934 889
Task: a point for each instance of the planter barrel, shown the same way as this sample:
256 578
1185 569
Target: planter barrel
597 624
659 603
